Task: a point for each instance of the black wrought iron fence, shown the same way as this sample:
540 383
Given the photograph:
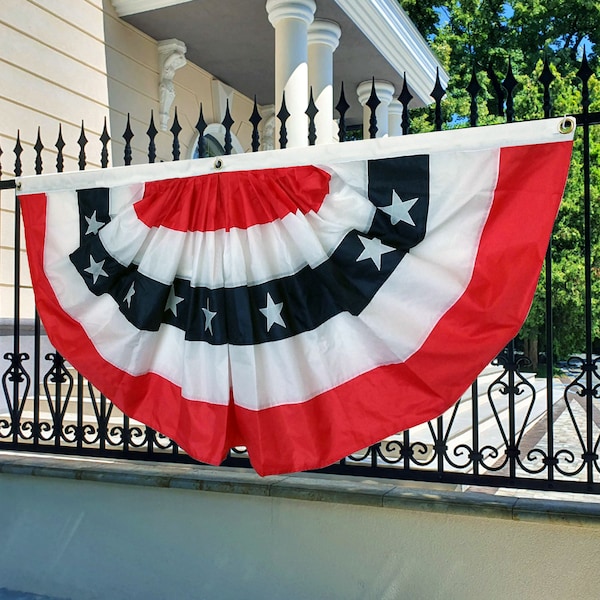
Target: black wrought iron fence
511 429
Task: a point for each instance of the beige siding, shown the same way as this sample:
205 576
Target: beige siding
54 70
47 23
53 66
68 61
133 79
84 17
64 62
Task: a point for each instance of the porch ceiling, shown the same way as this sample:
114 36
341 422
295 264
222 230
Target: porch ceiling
235 42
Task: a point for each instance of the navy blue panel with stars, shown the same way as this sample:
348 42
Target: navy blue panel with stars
283 307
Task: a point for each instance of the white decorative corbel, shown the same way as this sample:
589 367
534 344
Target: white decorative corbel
171 56
268 127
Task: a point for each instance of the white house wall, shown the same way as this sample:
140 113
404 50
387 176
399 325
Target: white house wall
66 62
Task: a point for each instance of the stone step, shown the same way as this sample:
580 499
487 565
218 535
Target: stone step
462 413
489 432
488 376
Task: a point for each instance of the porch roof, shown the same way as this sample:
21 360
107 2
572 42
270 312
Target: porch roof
235 42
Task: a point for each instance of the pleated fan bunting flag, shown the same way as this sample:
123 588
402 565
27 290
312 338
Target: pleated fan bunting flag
303 303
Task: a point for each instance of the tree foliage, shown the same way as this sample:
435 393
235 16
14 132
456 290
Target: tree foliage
488 36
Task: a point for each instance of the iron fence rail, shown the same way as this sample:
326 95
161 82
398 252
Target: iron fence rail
510 430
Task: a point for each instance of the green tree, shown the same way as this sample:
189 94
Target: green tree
484 36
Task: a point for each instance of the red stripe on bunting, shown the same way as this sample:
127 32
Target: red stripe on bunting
379 403
488 315
203 428
225 200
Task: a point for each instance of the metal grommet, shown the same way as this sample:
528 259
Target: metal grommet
567 124
18 186
218 164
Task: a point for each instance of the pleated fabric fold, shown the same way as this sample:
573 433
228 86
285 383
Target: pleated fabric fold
304 311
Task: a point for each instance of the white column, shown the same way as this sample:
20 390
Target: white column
323 39
291 19
395 117
385 93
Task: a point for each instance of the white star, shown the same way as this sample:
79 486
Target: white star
209 315
399 209
173 301
373 249
130 294
272 313
93 224
96 269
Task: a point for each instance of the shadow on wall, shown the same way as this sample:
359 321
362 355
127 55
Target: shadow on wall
12 595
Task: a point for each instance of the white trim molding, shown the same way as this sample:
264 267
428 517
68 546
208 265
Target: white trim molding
326 32
392 32
302 10
123 8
